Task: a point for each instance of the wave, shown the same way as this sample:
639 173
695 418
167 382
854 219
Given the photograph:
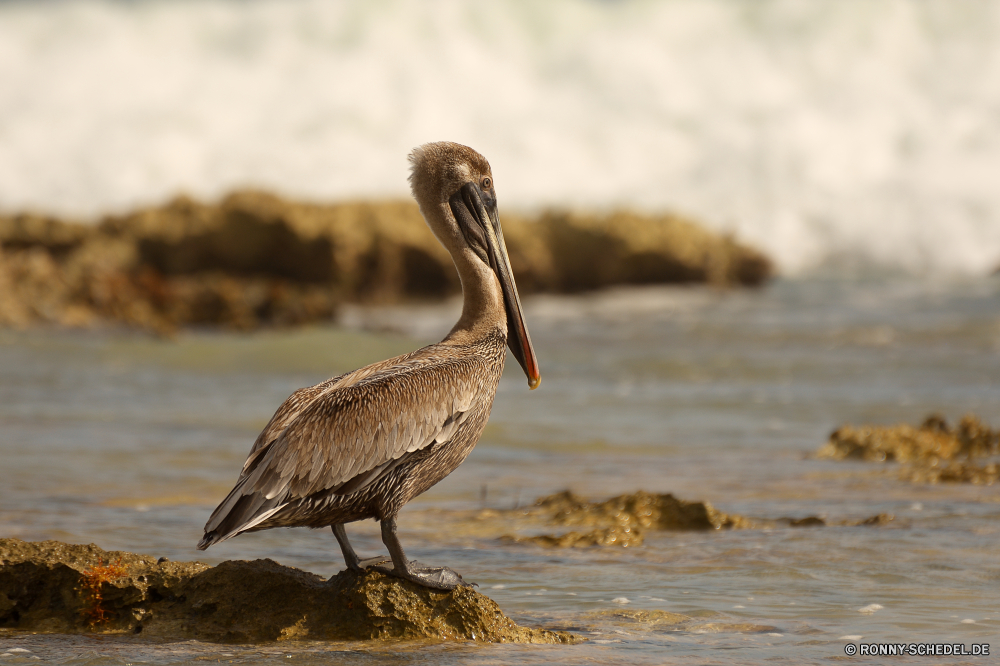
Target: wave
837 133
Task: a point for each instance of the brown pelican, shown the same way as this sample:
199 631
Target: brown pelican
363 444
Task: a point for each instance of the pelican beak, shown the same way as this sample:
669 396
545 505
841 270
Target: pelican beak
486 231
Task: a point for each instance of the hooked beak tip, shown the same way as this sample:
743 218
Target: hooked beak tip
533 382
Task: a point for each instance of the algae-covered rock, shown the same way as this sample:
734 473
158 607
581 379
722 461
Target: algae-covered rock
640 509
255 259
808 521
625 520
931 453
567 252
878 520
953 472
621 521
56 587
933 440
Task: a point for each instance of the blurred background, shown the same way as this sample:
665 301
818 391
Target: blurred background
204 206
851 134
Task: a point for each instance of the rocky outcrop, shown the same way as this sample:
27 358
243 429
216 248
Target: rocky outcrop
934 452
256 259
51 586
641 509
626 519
570 252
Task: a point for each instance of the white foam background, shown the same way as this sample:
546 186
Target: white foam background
821 130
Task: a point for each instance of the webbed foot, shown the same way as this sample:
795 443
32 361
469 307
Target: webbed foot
438 578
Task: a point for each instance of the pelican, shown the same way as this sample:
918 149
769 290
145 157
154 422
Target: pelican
365 443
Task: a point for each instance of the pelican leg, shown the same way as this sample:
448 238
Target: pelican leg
354 563
350 557
440 578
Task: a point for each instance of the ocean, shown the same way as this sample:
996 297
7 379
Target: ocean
129 442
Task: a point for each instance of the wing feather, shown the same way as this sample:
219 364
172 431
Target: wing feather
346 437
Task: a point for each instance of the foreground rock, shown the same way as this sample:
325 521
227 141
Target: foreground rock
934 452
255 259
51 586
624 520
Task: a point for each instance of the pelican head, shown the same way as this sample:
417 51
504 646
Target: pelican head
453 185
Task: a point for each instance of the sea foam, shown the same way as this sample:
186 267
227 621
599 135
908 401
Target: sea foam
836 132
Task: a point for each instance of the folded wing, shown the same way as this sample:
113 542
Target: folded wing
346 438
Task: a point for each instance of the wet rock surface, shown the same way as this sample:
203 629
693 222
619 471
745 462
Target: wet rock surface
55 587
933 452
641 509
626 519
255 259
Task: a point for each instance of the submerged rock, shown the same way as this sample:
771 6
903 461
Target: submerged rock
808 521
606 536
658 621
51 586
953 472
256 259
878 520
931 453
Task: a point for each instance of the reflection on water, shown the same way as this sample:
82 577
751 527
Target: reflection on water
129 442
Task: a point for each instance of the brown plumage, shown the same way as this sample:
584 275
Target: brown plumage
365 443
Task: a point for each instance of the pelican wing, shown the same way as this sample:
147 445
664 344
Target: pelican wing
350 436
303 398
285 414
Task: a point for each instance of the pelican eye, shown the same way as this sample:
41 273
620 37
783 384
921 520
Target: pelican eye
487 183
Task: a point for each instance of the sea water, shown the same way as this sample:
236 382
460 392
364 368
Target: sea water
129 442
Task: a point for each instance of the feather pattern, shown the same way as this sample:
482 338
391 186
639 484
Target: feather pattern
328 443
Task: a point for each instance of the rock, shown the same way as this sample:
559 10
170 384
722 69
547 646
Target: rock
808 521
624 520
953 472
255 259
930 442
619 521
931 453
572 252
640 509
878 520
56 587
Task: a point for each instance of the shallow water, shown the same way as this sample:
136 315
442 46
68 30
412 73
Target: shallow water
129 442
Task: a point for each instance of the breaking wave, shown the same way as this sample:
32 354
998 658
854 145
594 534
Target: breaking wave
838 133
